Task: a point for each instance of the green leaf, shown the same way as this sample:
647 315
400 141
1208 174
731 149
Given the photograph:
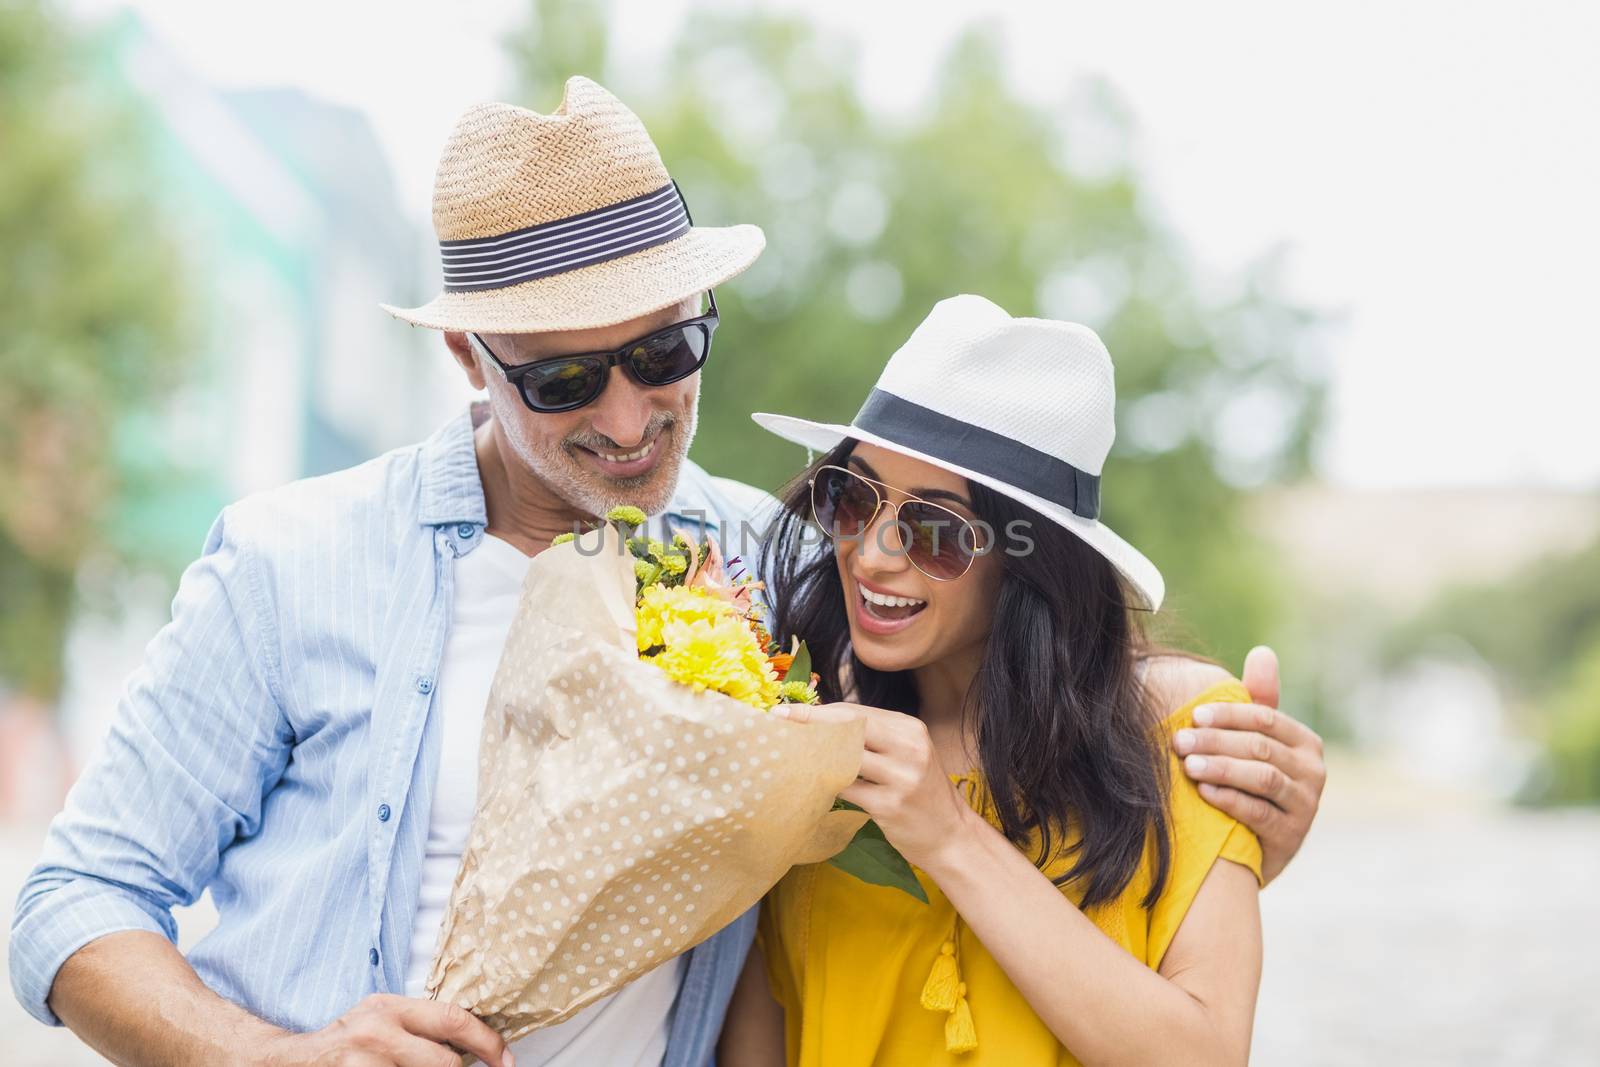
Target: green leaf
800 669
871 858
841 804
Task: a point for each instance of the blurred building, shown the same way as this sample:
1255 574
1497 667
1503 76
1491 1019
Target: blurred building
1400 547
291 233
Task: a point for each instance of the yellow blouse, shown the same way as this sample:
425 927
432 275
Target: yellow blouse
853 963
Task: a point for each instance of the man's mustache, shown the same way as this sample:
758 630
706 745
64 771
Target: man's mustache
597 442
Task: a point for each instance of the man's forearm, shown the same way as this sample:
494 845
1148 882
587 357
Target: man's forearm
135 999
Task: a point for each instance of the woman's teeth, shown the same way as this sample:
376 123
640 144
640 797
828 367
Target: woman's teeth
885 601
627 457
889 608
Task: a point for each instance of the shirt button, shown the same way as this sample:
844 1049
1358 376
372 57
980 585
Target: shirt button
383 813
466 530
372 956
424 685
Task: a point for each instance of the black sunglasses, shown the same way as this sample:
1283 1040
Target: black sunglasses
564 383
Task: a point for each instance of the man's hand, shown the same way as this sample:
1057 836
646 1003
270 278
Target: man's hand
391 1031
170 1016
1257 764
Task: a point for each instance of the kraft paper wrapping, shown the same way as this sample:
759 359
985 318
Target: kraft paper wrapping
622 818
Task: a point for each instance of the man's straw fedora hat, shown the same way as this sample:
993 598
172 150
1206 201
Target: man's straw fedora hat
567 221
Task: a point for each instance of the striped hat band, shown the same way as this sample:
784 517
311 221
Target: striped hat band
480 263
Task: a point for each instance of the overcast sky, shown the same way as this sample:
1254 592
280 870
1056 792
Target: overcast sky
1432 168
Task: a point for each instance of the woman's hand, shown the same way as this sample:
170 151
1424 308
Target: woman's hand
901 784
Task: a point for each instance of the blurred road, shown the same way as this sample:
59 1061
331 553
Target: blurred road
1416 929
1445 939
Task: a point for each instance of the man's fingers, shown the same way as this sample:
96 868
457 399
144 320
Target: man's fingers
408 1050
1260 718
1254 812
1261 675
1240 744
453 1025
370 1059
1250 776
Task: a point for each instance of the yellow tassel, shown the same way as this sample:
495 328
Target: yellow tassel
959 1033
939 993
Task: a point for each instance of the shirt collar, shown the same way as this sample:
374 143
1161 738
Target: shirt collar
451 488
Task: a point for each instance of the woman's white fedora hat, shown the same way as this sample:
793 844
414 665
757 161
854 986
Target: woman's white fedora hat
567 221
1023 406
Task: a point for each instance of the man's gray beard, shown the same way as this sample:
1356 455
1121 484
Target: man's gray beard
592 493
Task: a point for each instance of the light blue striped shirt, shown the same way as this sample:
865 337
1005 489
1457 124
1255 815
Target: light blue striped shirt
275 746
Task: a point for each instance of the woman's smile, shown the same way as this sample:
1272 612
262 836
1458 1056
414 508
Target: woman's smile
882 612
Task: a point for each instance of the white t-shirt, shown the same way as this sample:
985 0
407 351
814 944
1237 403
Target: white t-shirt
626 1029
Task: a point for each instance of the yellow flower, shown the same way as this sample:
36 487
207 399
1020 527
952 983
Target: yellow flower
659 606
722 655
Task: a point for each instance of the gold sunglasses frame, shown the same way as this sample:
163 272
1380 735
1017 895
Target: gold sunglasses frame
961 523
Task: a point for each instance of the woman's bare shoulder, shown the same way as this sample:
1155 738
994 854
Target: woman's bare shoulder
1172 680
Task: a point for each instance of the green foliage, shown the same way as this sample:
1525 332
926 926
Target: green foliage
800 666
89 314
871 858
871 220
1573 741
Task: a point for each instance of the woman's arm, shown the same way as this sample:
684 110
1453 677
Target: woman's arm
752 1031
1106 1007
1102 1004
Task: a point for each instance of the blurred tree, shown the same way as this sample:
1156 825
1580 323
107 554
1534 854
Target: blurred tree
90 330
1572 739
871 220
1540 630
1533 626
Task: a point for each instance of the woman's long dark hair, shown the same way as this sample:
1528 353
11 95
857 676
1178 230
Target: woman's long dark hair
1066 736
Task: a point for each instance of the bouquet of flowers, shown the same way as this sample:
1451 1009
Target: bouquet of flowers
703 629
634 796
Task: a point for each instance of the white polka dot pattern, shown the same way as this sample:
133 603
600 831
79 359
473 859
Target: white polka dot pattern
622 818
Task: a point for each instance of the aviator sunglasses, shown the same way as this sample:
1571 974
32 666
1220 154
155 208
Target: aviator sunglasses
565 383
939 542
